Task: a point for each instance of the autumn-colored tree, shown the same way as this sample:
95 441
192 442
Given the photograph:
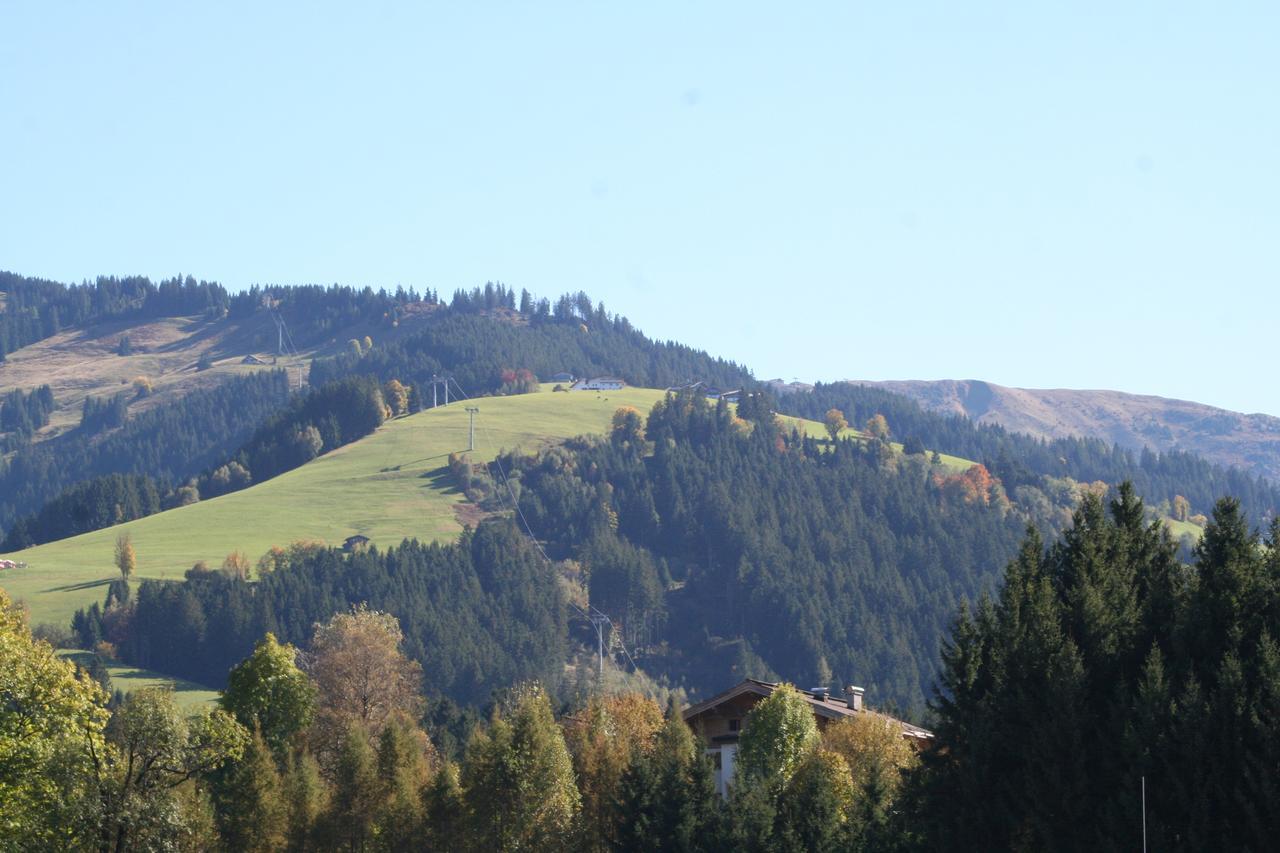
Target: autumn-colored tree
126 559
366 344
397 397
878 427
974 486
236 565
274 560
628 427
878 758
835 422
1181 508
142 387
605 739
361 675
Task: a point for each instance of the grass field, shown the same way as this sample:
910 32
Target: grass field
389 486
127 679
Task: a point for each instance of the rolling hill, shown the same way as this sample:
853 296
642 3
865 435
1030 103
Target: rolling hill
1248 441
392 485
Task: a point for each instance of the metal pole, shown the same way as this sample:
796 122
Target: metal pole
435 386
1144 814
471 444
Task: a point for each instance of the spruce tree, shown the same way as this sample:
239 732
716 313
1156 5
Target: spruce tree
251 811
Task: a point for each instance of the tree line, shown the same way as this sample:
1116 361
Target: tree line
36 309
578 338
481 613
328 746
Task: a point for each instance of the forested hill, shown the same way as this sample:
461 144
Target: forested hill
1024 461
486 344
720 546
125 376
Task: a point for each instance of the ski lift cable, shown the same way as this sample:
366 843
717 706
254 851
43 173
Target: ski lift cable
594 611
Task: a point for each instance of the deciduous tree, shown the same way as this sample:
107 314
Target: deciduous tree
835 422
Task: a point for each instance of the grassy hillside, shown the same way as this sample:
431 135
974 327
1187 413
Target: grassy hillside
393 484
389 486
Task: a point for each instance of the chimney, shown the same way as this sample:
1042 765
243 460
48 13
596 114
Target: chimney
853 697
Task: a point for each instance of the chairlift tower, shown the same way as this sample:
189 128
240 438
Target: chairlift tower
598 621
472 411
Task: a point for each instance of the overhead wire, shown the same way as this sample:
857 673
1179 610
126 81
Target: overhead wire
534 539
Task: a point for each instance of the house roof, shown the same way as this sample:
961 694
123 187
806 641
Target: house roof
830 707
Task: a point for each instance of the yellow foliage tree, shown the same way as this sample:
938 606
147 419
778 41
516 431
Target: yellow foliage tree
835 423
126 559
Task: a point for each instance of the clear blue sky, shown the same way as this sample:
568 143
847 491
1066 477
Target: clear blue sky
1037 194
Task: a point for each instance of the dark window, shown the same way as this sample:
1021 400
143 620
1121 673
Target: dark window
734 725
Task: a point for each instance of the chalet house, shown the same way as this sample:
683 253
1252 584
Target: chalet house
714 393
600 383
355 543
562 378
251 359
719 721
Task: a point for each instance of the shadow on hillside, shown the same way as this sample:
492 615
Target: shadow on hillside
442 481
72 587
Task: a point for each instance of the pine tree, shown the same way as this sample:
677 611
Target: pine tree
306 800
668 799
403 772
349 822
251 811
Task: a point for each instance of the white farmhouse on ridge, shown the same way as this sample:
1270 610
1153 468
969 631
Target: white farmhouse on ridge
600 383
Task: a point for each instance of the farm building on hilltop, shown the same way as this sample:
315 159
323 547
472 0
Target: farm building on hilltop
562 377
251 359
600 383
355 543
719 721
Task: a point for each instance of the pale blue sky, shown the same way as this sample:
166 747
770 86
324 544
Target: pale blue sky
1047 195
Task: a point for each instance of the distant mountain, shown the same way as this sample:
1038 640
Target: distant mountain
1228 438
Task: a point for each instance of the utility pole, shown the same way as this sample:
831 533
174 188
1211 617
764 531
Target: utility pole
1144 814
435 384
599 620
473 411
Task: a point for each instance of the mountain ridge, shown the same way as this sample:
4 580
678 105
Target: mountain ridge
1249 441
